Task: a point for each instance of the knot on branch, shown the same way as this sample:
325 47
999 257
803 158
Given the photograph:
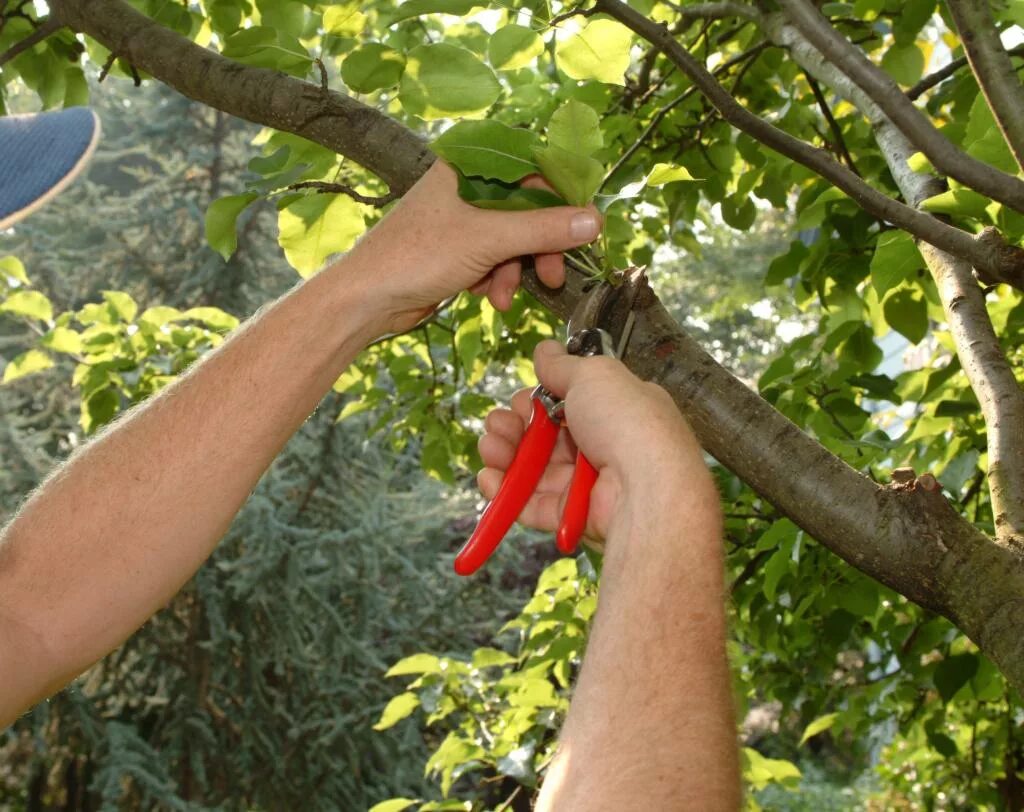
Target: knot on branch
1007 264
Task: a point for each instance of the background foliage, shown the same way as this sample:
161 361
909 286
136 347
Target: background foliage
259 685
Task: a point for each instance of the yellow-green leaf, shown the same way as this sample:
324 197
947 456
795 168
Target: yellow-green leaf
819 725
26 364
29 303
63 339
397 710
445 81
344 20
600 51
12 268
393 805
221 217
415 664
514 47
314 227
668 173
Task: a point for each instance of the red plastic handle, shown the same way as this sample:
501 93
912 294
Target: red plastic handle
519 483
577 505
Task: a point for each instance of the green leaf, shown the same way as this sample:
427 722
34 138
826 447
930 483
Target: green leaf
963 202
576 127
575 177
372 67
953 673
518 764
344 20
662 174
221 217
904 63
819 725
63 339
907 314
12 268
600 52
29 303
490 657
266 47
416 664
417 8
759 771
212 317
393 805
489 149
397 709
316 226
445 81
123 304
514 47
26 364
896 257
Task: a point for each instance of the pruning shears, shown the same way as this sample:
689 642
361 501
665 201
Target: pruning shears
590 333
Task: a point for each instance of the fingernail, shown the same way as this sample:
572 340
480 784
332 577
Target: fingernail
583 226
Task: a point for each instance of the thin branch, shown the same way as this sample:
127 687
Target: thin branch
993 68
749 54
883 90
837 132
51 25
323 187
942 74
1005 264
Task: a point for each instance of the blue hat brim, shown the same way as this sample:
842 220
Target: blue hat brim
40 155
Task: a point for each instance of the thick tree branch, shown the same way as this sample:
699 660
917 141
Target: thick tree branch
993 68
986 366
1002 265
715 11
907 537
51 25
880 87
263 96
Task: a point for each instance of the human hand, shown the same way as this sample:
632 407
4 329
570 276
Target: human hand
629 429
433 245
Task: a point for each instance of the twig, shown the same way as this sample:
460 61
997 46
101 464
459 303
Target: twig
49 26
323 74
714 11
880 87
1006 262
837 133
750 54
575 11
107 65
942 74
993 69
323 187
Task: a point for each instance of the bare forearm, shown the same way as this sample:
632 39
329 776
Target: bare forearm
113 535
651 723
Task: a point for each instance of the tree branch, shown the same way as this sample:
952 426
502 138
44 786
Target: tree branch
837 132
907 537
993 69
942 74
1003 265
986 366
51 25
714 11
323 187
880 87
367 136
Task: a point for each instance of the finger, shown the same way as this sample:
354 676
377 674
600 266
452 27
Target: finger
535 182
550 269
497 452
555 368
541 231
481 287
505 423
504 283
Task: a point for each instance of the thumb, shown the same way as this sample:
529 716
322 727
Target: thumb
543 231
555 368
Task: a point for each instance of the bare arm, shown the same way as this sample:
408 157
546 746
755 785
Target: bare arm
110 538
651 724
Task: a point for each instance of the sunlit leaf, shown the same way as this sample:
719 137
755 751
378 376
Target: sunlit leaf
600 51
445 81
316 226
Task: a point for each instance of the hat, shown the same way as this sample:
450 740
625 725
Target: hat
40 154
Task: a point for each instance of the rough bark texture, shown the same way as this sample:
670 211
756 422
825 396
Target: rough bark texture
905 535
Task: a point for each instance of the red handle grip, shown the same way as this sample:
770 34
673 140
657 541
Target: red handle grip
519 483
577 505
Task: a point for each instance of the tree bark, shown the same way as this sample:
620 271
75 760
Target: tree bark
906 536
